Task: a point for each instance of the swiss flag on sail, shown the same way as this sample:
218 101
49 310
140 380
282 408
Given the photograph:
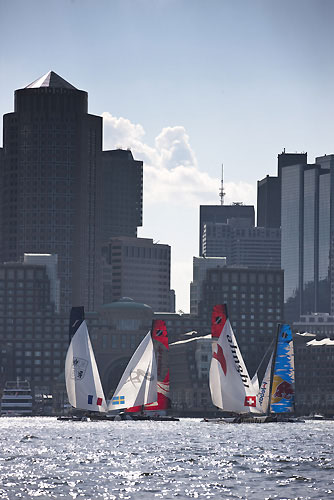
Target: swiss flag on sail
250 401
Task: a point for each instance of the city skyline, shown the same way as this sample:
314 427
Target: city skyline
186 87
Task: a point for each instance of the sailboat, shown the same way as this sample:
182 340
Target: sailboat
138 384
143 391
83 384
276 393
231 388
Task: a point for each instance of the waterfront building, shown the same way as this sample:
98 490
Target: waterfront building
242 244
320 324
50 185
222 213
122 192
140 269
33 338
314 374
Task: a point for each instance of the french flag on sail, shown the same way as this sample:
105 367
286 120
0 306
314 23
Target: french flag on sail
98 400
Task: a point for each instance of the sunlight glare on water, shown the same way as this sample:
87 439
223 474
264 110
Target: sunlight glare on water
45 458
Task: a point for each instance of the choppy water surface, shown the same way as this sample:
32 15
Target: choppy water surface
45 458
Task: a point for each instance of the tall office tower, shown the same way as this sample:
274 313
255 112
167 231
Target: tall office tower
140 269
221 213
50 185
200 267
122 205
307 236
269 191
268 202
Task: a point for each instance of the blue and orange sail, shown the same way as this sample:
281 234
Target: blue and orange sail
283 391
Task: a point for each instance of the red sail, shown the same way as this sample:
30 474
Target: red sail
161 347
218 320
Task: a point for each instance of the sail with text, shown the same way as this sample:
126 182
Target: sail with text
283 381
83 384
263 392
230 385
138 384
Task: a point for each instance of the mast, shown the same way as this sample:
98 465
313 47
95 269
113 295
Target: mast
221 190
273 368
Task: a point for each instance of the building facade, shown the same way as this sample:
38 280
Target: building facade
222 213
33 337
122 192
200 267
307 236
269 202
242 244
50 185
140 269
314 374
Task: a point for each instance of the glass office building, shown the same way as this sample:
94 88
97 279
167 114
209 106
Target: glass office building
307 232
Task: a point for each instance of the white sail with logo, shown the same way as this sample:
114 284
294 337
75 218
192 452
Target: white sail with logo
138 385
230 385
264 390
83 384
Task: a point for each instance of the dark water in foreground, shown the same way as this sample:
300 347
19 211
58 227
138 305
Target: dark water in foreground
44 458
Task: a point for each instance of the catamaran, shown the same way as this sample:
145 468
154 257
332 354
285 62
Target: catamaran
149 398
139 387
231 388
138 384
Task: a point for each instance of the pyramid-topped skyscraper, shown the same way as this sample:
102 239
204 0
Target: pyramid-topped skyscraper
52 81
49 185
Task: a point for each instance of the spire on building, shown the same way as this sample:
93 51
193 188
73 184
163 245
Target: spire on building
221 191
51 80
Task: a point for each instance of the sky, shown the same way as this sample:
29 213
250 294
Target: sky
187 85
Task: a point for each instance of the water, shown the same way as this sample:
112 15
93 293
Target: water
45 458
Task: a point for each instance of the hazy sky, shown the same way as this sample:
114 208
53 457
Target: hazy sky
187 85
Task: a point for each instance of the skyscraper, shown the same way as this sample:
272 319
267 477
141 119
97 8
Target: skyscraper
122 194
269 190
307 236
50 184
268 202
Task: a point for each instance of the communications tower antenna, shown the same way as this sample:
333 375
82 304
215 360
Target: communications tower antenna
221 190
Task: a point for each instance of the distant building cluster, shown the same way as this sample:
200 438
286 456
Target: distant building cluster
69 215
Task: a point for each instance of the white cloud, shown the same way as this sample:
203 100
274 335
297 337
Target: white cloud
171 172
174 188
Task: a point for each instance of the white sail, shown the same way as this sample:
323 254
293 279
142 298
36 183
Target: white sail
138 385
262 399
230 385
83 382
